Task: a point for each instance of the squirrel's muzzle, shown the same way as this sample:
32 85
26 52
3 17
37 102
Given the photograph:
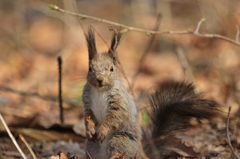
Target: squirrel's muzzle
100 79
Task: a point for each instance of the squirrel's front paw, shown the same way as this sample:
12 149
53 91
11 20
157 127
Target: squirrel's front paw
90 133
102 133
90 129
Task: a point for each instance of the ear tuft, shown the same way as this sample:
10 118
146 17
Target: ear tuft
114 44
92 51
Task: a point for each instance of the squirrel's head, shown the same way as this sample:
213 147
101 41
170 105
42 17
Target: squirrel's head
102 71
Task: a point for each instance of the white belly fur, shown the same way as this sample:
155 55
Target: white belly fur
99 105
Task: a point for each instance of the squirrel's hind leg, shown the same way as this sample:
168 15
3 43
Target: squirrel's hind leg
125 144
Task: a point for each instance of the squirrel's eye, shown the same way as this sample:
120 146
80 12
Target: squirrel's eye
90 68
111 69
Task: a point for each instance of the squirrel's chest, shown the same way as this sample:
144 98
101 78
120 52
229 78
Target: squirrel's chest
99 105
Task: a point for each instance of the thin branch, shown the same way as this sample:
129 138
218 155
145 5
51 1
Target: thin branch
218 37
12 137
185 65
29 148
88 154
149 45
199 25
237 35
48 98
60 88
125 76
228 136
127 28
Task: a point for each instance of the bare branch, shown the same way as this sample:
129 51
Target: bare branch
12 137
147 32
228 137
218 37
185 66
199 25
48 98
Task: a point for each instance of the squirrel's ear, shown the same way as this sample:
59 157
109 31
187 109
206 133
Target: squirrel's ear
92 51
114 44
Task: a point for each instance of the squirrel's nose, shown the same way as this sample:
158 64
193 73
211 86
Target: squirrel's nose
99 81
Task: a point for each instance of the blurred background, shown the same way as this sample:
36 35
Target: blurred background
32 37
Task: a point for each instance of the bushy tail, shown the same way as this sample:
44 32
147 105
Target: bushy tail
172 107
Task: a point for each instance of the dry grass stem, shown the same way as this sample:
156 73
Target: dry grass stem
29 148
12 137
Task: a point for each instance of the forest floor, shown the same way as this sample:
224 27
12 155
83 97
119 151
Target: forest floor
31 39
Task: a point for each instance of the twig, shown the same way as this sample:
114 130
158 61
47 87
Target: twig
7 89
149 45
12 137
237 35
29 148
228 137
125 76
60 88
185 66
88 154
127 28
121 154
199 25
121 67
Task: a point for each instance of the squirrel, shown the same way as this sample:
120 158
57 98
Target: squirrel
111 116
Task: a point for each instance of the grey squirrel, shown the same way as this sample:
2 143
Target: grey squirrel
111 116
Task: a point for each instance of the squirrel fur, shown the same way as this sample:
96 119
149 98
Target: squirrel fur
111 115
